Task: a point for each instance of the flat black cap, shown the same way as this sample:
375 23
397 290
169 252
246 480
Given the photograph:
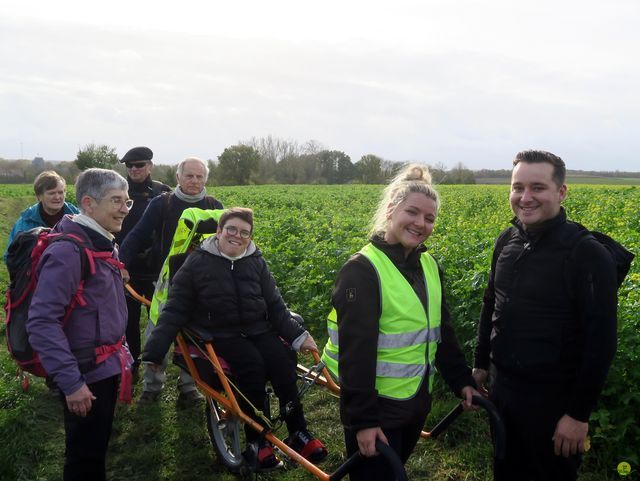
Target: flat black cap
137 153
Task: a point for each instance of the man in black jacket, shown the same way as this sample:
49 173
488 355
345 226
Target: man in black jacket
142 274
155 231
547 327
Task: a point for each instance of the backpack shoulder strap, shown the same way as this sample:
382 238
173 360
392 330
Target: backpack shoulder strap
166 201
166 198
212 202
155 188
501 242
86 264
158 188
88 256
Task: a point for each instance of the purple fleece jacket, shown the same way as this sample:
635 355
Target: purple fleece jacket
102 321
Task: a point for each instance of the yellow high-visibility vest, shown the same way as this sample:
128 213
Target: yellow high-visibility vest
408 336
185 236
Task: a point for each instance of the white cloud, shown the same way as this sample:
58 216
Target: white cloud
435 81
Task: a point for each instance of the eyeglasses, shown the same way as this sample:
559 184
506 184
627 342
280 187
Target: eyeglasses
118 202
137 165
233 230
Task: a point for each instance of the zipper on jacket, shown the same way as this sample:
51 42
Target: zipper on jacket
238 298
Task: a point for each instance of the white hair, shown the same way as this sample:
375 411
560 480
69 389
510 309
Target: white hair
95 183
193 159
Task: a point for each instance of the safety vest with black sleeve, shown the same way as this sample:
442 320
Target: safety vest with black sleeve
408 336
187 235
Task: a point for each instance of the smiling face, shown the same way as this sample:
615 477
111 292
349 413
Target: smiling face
535 197
234 237
110 211
411 222
193 178
53 199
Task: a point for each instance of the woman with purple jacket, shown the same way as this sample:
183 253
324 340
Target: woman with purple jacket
68 348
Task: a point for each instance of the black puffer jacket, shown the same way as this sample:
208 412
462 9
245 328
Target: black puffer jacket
218 298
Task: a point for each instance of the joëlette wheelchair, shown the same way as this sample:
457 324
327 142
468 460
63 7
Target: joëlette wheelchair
213 378
225 416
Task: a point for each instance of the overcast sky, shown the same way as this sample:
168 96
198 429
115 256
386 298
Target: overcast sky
432 81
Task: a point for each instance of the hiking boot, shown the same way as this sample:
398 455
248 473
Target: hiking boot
307 445
148 397
267 459
190 398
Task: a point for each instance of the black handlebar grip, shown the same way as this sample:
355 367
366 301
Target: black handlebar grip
387 452
446 421
497 427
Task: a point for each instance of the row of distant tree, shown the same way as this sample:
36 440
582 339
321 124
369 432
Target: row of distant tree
265 160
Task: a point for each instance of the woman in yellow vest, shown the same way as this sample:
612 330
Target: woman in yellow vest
390 328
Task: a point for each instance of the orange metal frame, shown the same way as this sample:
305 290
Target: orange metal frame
326 380
227 399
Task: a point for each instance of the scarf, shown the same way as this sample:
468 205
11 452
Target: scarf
87 221
191 199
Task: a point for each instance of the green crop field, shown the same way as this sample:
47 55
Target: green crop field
571 179
306 233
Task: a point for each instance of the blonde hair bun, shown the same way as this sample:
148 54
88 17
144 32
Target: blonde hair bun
416 172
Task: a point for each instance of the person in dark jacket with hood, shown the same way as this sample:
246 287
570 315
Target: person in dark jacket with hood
225 291
67 348
390 329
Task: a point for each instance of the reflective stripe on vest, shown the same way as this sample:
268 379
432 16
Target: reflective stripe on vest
182 240
407 338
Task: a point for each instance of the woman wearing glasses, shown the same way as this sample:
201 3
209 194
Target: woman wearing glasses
226 291
83 349
50 190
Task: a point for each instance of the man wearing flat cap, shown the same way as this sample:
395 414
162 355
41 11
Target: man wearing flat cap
141 270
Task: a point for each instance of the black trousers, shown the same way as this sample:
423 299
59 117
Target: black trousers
87 439
254 360
530 414
144 288
402 441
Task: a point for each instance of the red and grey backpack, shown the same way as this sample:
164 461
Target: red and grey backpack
23 256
